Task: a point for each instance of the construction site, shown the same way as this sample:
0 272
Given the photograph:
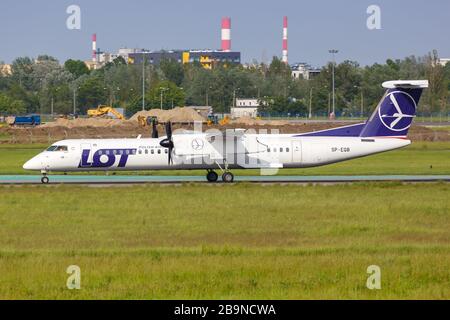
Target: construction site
104 126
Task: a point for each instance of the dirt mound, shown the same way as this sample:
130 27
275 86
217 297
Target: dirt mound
83 122
257 122
10 120
176 115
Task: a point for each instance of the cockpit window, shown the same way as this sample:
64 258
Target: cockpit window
57 148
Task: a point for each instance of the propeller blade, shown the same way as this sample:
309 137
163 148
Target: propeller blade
169 160
169 130
168 142
154 130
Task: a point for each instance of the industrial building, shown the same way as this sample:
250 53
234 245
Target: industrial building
207 58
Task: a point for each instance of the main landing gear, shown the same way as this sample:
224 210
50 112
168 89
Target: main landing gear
227 176
212 176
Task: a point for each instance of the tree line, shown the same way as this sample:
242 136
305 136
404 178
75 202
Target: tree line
43 85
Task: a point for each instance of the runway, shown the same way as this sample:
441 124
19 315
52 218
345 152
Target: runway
136 179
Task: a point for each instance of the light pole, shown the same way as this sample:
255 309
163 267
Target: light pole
362 100
234 96
333 52
52 101
310 103
362 103
143 81
75 100
110 89
207 95
161 94
114 95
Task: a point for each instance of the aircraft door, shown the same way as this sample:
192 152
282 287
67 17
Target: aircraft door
296 151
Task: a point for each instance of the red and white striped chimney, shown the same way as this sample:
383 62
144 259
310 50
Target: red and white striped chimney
226 34
284 57
94 47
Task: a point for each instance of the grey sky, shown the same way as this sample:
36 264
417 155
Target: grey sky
408 27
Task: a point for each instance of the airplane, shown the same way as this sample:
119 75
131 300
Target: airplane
212 150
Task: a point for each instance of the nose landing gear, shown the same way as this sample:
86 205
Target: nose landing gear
44 178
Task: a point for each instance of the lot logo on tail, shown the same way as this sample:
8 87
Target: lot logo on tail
397 111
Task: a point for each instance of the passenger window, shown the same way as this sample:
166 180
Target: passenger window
274 149
268 149
159 151
140 151
100 152
287 149
165 150
146 151
281 149
133 151
114 151
127 151
107 152
153 151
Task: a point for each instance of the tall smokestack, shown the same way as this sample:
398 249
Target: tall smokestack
226 34
284 57
94 47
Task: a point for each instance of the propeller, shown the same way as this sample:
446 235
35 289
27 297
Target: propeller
168 142
154 128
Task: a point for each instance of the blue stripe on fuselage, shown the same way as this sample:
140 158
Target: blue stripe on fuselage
353 130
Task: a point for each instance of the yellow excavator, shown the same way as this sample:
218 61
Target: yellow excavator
104 110
224 121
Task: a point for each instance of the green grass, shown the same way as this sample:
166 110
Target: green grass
226 241
417 159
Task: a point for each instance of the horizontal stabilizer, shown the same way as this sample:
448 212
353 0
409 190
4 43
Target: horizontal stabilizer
405 84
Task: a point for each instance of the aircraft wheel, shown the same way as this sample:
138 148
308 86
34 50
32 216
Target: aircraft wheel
227 177
45 180
212 176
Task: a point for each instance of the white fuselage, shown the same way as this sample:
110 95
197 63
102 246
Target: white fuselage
252 151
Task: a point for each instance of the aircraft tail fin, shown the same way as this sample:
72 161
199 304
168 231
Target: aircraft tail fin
396 110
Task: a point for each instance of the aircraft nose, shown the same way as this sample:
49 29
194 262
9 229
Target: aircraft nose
32 164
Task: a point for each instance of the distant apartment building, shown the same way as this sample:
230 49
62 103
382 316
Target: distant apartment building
5 69
444 61
303 71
